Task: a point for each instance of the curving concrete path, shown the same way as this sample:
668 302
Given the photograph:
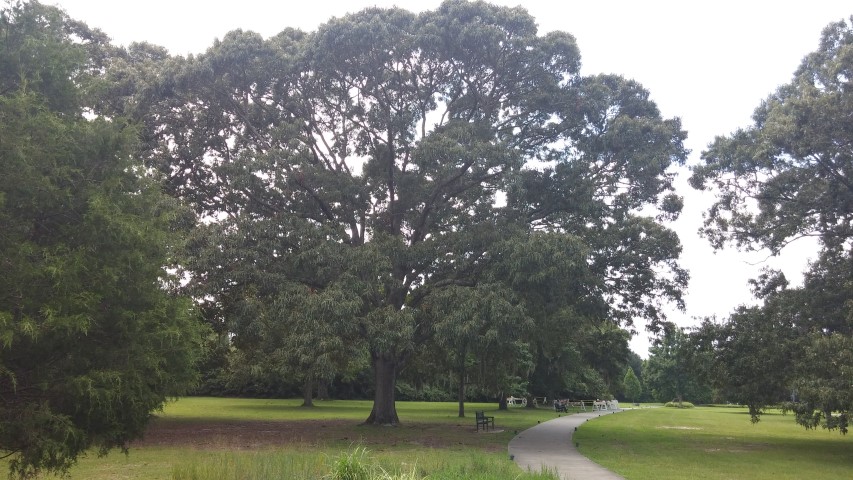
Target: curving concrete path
550 445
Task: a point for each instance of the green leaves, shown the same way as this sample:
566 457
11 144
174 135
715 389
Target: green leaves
631 384
673 369
90 339
787 177
372 157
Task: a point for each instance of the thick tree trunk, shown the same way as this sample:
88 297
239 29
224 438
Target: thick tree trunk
384 408
502 405
307 391
461 391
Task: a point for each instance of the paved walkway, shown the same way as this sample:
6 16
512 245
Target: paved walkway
550 445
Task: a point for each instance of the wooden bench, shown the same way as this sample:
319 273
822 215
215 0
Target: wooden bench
484 420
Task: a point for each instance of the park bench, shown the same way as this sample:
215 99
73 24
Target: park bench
484 420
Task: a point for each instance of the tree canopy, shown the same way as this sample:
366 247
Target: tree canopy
794 164
91 339
788 176
631 385
406 155
670 372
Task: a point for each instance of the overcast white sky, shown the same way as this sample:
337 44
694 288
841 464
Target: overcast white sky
708 62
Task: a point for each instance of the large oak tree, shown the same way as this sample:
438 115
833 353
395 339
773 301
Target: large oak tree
400 153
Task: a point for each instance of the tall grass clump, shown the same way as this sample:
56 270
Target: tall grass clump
477 467
351 466
354 464
253 466
357 465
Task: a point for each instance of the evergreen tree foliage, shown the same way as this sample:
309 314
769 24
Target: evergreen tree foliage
91 340
672 372
631 385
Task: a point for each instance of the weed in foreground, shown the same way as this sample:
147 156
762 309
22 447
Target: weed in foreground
351 466
357 465
252 466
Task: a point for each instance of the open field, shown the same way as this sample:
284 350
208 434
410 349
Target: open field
223 434
246 439
254 423
713 443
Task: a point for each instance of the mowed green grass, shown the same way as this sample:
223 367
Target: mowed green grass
657 443
246 409
419 421
463 453
713 443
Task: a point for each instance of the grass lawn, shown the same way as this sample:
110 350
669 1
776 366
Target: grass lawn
245 439
713 443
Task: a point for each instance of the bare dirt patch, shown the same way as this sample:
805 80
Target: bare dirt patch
249 435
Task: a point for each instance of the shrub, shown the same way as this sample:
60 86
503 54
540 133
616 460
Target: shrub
679 405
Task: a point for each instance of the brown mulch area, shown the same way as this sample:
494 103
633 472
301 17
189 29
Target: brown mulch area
247 435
